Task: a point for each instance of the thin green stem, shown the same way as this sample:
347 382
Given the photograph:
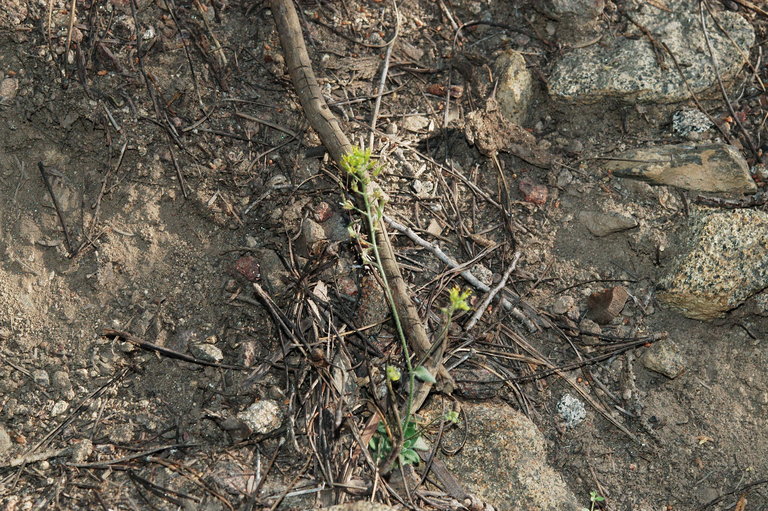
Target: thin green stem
391 301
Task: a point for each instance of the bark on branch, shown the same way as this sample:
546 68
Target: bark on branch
337 144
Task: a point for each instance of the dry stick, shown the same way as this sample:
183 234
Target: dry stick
468 276
338 145
716 68
57 207
383 81
108 332
491 294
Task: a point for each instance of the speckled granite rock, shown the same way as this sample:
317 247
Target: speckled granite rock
503 462
706 168
626 67
726 263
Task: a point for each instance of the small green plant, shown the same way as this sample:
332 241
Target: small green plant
361 171
594 498
381 444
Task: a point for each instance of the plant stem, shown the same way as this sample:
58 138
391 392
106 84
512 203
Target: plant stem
391 301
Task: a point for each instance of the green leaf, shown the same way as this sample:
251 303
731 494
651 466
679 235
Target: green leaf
452 416
423 374
409 457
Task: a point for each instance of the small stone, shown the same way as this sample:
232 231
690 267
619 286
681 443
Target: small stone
602 224
563 304
40 376
415 123
62 384
571 410
689 120
564 178
607 304
5 441
207 352
483 274
434 228
313 236
664 357
422 188
248 267
8 88
322 212
120 433
587 326
59 408
278 181
514 89
262 417
534 193
272 269
81 451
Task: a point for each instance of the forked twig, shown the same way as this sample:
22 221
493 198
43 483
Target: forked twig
489 296
468 276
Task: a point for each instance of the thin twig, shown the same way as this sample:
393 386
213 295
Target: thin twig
466 274
491 294
383 80
57 206
128 337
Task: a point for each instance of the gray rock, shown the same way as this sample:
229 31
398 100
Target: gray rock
626 68
725 262
313 236
59 408
5 441
664 357
207 352
62 384
563 304
515 86
504 462
571 410
8 89
120 433
602 224
262 417
689 120
81 451
707 168
40 376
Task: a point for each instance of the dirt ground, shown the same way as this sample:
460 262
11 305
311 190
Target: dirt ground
184 170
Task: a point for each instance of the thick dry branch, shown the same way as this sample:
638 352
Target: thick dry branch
337 144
